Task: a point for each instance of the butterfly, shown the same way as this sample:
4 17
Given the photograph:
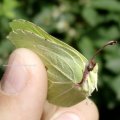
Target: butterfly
71 77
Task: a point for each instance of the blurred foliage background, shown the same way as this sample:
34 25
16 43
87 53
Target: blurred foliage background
84 24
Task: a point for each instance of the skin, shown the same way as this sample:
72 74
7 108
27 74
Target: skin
24 89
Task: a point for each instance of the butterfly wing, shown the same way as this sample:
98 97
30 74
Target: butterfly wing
64 64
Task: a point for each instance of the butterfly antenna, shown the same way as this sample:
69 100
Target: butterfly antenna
92 63
107 44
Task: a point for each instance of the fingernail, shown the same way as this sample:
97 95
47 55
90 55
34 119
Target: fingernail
15 76
67 116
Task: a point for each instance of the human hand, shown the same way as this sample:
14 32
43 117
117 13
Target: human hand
24 90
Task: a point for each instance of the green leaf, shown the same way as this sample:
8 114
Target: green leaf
113 65
7 8
110 5
91 16
85 42
110 33
115 85
65 65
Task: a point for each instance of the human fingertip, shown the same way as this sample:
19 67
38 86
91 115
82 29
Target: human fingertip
15 76
66 116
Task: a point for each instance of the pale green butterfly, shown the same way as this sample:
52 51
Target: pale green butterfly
71 77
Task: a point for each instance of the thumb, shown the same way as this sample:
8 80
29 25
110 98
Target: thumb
23 87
